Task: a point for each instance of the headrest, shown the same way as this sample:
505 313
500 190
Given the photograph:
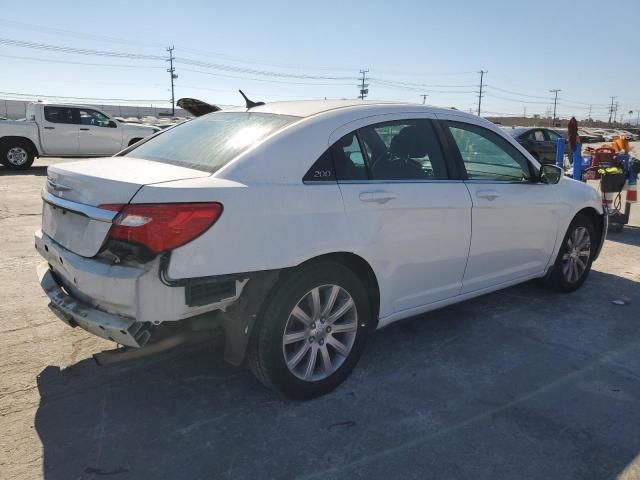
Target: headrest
409 142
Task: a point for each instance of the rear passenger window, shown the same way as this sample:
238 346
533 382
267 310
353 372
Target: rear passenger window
403 150
348 158
59 115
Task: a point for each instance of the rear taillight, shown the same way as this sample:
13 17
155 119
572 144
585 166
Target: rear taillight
162 226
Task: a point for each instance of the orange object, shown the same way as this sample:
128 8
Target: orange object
620 143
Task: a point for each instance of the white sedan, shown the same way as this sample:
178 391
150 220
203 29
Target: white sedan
301 227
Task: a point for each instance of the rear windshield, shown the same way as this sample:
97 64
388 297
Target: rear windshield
211 141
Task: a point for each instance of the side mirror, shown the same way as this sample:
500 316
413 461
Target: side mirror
550 174
112 124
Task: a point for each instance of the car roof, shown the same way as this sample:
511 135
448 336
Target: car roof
307 108
68 105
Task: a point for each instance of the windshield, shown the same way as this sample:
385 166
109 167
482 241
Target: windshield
211 141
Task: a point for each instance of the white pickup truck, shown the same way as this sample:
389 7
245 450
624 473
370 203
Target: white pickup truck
58 130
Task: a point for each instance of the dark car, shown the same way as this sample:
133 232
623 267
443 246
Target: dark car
539 142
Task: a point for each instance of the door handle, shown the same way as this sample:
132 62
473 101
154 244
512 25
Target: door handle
86 129
488 194
49 128
376 197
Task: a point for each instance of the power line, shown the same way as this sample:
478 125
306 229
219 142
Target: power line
416 89
79 51
261 79
35 95
9 23
253 71
412 84
48 60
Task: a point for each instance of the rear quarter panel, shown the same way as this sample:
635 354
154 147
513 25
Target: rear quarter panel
262 227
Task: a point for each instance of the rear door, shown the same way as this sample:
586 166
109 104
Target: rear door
59 131
514 218
97 135
406 216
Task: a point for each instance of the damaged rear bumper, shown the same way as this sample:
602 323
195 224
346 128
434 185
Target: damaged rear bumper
124 304
122 330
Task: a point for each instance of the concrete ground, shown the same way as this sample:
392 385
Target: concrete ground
521 383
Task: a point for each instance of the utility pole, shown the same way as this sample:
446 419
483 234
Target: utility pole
524 113
364 87
590 107
611 108
424 98
173 75
481 72
615 113
555 102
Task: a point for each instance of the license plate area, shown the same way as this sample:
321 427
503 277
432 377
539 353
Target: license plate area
75 232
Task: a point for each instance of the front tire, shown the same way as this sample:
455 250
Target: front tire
16 155
573 263
311 332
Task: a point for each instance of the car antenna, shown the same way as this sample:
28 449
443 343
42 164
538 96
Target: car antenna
250 103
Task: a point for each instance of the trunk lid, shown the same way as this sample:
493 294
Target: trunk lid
74 191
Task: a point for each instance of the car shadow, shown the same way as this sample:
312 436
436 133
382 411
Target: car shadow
630 235
36 171
522 383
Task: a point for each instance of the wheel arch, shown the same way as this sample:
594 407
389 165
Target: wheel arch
134 140
599 224
13 138
362 269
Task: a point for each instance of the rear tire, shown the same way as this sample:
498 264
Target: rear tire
573 263
302 345
16 154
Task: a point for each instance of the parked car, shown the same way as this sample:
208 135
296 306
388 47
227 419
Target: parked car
541 143
57 130
300 227
587 137
631 136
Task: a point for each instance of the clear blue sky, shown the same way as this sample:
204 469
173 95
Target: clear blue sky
589 49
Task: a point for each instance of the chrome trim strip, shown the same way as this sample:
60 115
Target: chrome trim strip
93 213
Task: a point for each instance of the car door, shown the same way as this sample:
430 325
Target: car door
405 215
59 131
98 135
514 217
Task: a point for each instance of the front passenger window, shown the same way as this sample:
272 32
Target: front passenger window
487 156
92 117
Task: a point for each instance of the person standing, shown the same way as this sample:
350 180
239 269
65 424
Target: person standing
572 138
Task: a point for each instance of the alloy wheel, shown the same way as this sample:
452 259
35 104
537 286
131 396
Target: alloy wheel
320 333
577 252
